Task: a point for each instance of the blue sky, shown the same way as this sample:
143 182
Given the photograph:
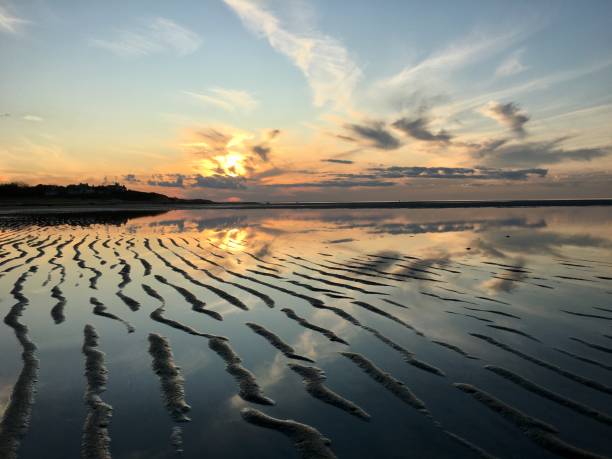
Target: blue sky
250 99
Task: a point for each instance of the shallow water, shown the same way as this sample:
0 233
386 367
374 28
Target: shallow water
407 290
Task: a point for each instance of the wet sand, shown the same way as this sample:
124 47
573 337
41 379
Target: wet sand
351 336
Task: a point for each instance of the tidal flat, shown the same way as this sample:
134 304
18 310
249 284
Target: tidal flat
307 333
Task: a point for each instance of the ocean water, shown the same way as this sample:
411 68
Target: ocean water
450 333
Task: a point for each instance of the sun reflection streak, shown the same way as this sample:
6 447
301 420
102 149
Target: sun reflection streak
231 239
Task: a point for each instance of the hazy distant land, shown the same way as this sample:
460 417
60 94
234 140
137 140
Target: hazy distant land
19 198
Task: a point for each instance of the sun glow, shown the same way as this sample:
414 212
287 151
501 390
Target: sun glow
232 164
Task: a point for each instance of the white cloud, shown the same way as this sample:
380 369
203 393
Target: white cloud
9 23
537 84
160 35
229 100
33 118
511 65
330 71
474 48
181 39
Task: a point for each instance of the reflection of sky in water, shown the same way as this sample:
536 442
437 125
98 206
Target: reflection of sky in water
530 263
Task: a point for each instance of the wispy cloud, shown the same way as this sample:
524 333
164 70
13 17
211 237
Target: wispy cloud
10 23
159 35
331 72
475 47
33 118
229 100
511 65
536 84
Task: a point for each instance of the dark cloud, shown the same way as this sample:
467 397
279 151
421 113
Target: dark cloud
502 153
509 115
336 183
479 173
130 178
272 172
346 137
219 181
337 161
418 128
214 135
215 142
375 134
387 176
170 181
261 151
273 133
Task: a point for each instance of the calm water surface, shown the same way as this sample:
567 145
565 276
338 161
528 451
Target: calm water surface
408 290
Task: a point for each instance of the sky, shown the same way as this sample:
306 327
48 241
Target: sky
320 100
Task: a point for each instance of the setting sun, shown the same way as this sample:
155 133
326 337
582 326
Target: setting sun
305 229
232 164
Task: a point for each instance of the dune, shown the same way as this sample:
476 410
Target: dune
537 431
408 356
549 366
15 421
314 379
396 387
308 441
550 395
100 310
171 380
330 335
585 359
249 389
96 440
277 342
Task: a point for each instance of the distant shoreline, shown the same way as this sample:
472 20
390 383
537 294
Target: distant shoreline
101 206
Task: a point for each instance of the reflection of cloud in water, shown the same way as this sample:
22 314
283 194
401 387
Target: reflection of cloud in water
453 226
181 225
231 239
222 307
535 242
422 266
274 373
263 251
5 396
340 241
307 343
507 281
